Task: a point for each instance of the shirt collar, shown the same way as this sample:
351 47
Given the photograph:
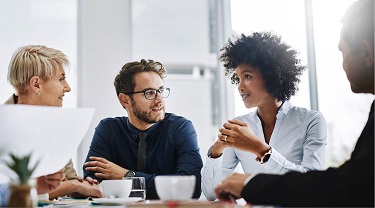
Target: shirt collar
135 131
284 109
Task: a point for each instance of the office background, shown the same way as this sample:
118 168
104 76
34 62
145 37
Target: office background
100 36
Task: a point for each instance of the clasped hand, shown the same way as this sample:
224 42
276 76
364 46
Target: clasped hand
104 169
230 189
237 134
47 183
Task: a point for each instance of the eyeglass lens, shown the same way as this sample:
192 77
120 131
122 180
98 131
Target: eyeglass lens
151 94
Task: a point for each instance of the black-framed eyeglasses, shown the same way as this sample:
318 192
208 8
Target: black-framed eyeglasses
151 94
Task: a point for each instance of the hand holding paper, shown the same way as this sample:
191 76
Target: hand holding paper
51 134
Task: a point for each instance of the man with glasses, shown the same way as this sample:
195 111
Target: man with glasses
149 142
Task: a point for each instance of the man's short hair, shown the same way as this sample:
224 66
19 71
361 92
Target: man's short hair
124 81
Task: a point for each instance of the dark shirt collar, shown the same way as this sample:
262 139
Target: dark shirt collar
152 131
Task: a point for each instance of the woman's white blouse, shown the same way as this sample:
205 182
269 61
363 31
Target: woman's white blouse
298 144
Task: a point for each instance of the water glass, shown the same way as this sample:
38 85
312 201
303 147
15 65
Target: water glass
138 187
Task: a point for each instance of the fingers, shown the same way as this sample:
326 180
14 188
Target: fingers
224 139
231 187
225 131
223 195
102 176
237 122
100 159
234 124
96 169
91 181
94 164
52 182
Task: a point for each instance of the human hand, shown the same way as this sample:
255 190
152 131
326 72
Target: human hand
47 183
86 189
218 147
239 135
230 189
104 169
91 181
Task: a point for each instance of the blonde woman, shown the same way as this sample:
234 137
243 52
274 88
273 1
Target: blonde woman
38 76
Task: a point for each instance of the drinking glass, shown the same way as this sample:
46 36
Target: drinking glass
138 187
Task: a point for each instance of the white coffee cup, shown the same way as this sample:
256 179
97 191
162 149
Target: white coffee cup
175 188
116 188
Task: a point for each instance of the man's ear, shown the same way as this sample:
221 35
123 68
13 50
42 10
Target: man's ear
124 100
368 50
34 84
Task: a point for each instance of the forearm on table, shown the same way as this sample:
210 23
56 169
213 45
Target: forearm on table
67 187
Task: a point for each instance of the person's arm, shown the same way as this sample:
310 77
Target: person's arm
99 148
230 189
352 184
189 161
74 186
313 154
76 189
216 169
105 169
48 183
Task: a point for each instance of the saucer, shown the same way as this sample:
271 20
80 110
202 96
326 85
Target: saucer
116 201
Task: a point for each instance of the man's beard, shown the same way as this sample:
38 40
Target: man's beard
144 115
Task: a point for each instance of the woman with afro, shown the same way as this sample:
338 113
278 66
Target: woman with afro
277 137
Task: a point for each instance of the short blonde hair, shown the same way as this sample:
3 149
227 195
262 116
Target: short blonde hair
34 60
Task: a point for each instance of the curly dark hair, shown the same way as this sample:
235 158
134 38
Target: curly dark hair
277 62
124 81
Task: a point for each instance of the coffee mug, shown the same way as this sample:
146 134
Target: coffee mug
175 187
116 188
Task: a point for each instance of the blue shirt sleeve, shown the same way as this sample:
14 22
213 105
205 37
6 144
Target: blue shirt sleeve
189 161
99 148
4 189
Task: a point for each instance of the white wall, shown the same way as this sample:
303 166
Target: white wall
191 98
31 22
104 43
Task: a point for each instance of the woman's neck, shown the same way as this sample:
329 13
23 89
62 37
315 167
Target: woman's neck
267 115
26 100
268 111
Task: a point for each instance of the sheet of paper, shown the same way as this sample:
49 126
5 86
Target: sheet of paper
51 134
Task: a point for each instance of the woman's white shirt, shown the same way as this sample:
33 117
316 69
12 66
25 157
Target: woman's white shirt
298 144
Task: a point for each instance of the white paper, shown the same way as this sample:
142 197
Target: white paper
51 134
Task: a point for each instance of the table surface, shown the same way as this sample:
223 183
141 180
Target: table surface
182 204
68 202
